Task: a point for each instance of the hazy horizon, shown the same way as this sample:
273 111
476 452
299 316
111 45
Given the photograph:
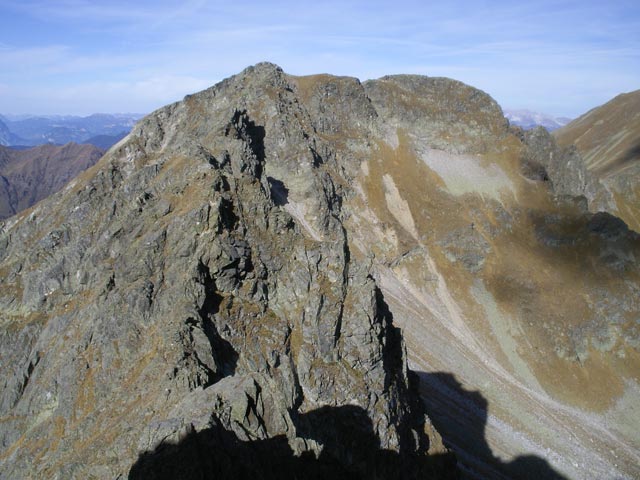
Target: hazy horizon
75 57
27 115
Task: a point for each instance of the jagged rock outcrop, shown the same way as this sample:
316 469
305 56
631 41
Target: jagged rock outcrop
27 176
224 280
606 137
564 167
197 288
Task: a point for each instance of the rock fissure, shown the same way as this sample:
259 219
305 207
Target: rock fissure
222 261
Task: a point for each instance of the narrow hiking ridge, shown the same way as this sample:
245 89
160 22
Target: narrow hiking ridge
238 267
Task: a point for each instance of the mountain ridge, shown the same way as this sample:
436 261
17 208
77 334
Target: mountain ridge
6 137
238 266
607 138
528 119
33 130
247 253
30 175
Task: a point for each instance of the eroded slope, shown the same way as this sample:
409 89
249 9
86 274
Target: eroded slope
499 278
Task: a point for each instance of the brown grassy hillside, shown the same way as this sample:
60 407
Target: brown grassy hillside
28 176
608 138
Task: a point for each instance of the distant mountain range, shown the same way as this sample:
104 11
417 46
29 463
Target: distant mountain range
6 137
528 119
40 154
101 130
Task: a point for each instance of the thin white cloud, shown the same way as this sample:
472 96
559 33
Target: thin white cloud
517 50
33 56
105 12
142 95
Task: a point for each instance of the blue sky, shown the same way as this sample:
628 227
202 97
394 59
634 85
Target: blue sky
81 57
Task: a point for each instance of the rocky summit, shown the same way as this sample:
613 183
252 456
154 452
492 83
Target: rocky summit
229 291
190 306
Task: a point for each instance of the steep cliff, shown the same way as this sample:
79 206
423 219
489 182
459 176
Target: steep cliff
217 295
193 299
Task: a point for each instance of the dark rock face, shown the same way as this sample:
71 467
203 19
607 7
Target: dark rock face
545 160
351 450
194 300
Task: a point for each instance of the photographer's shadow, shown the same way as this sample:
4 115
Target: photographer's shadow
460 416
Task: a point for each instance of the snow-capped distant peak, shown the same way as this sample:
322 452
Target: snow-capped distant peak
528 119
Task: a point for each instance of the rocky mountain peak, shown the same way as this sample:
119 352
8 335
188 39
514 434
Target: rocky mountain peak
450 115
221 295
198 284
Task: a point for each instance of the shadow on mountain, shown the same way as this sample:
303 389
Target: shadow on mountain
279 192
630 156
351 450
460 416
